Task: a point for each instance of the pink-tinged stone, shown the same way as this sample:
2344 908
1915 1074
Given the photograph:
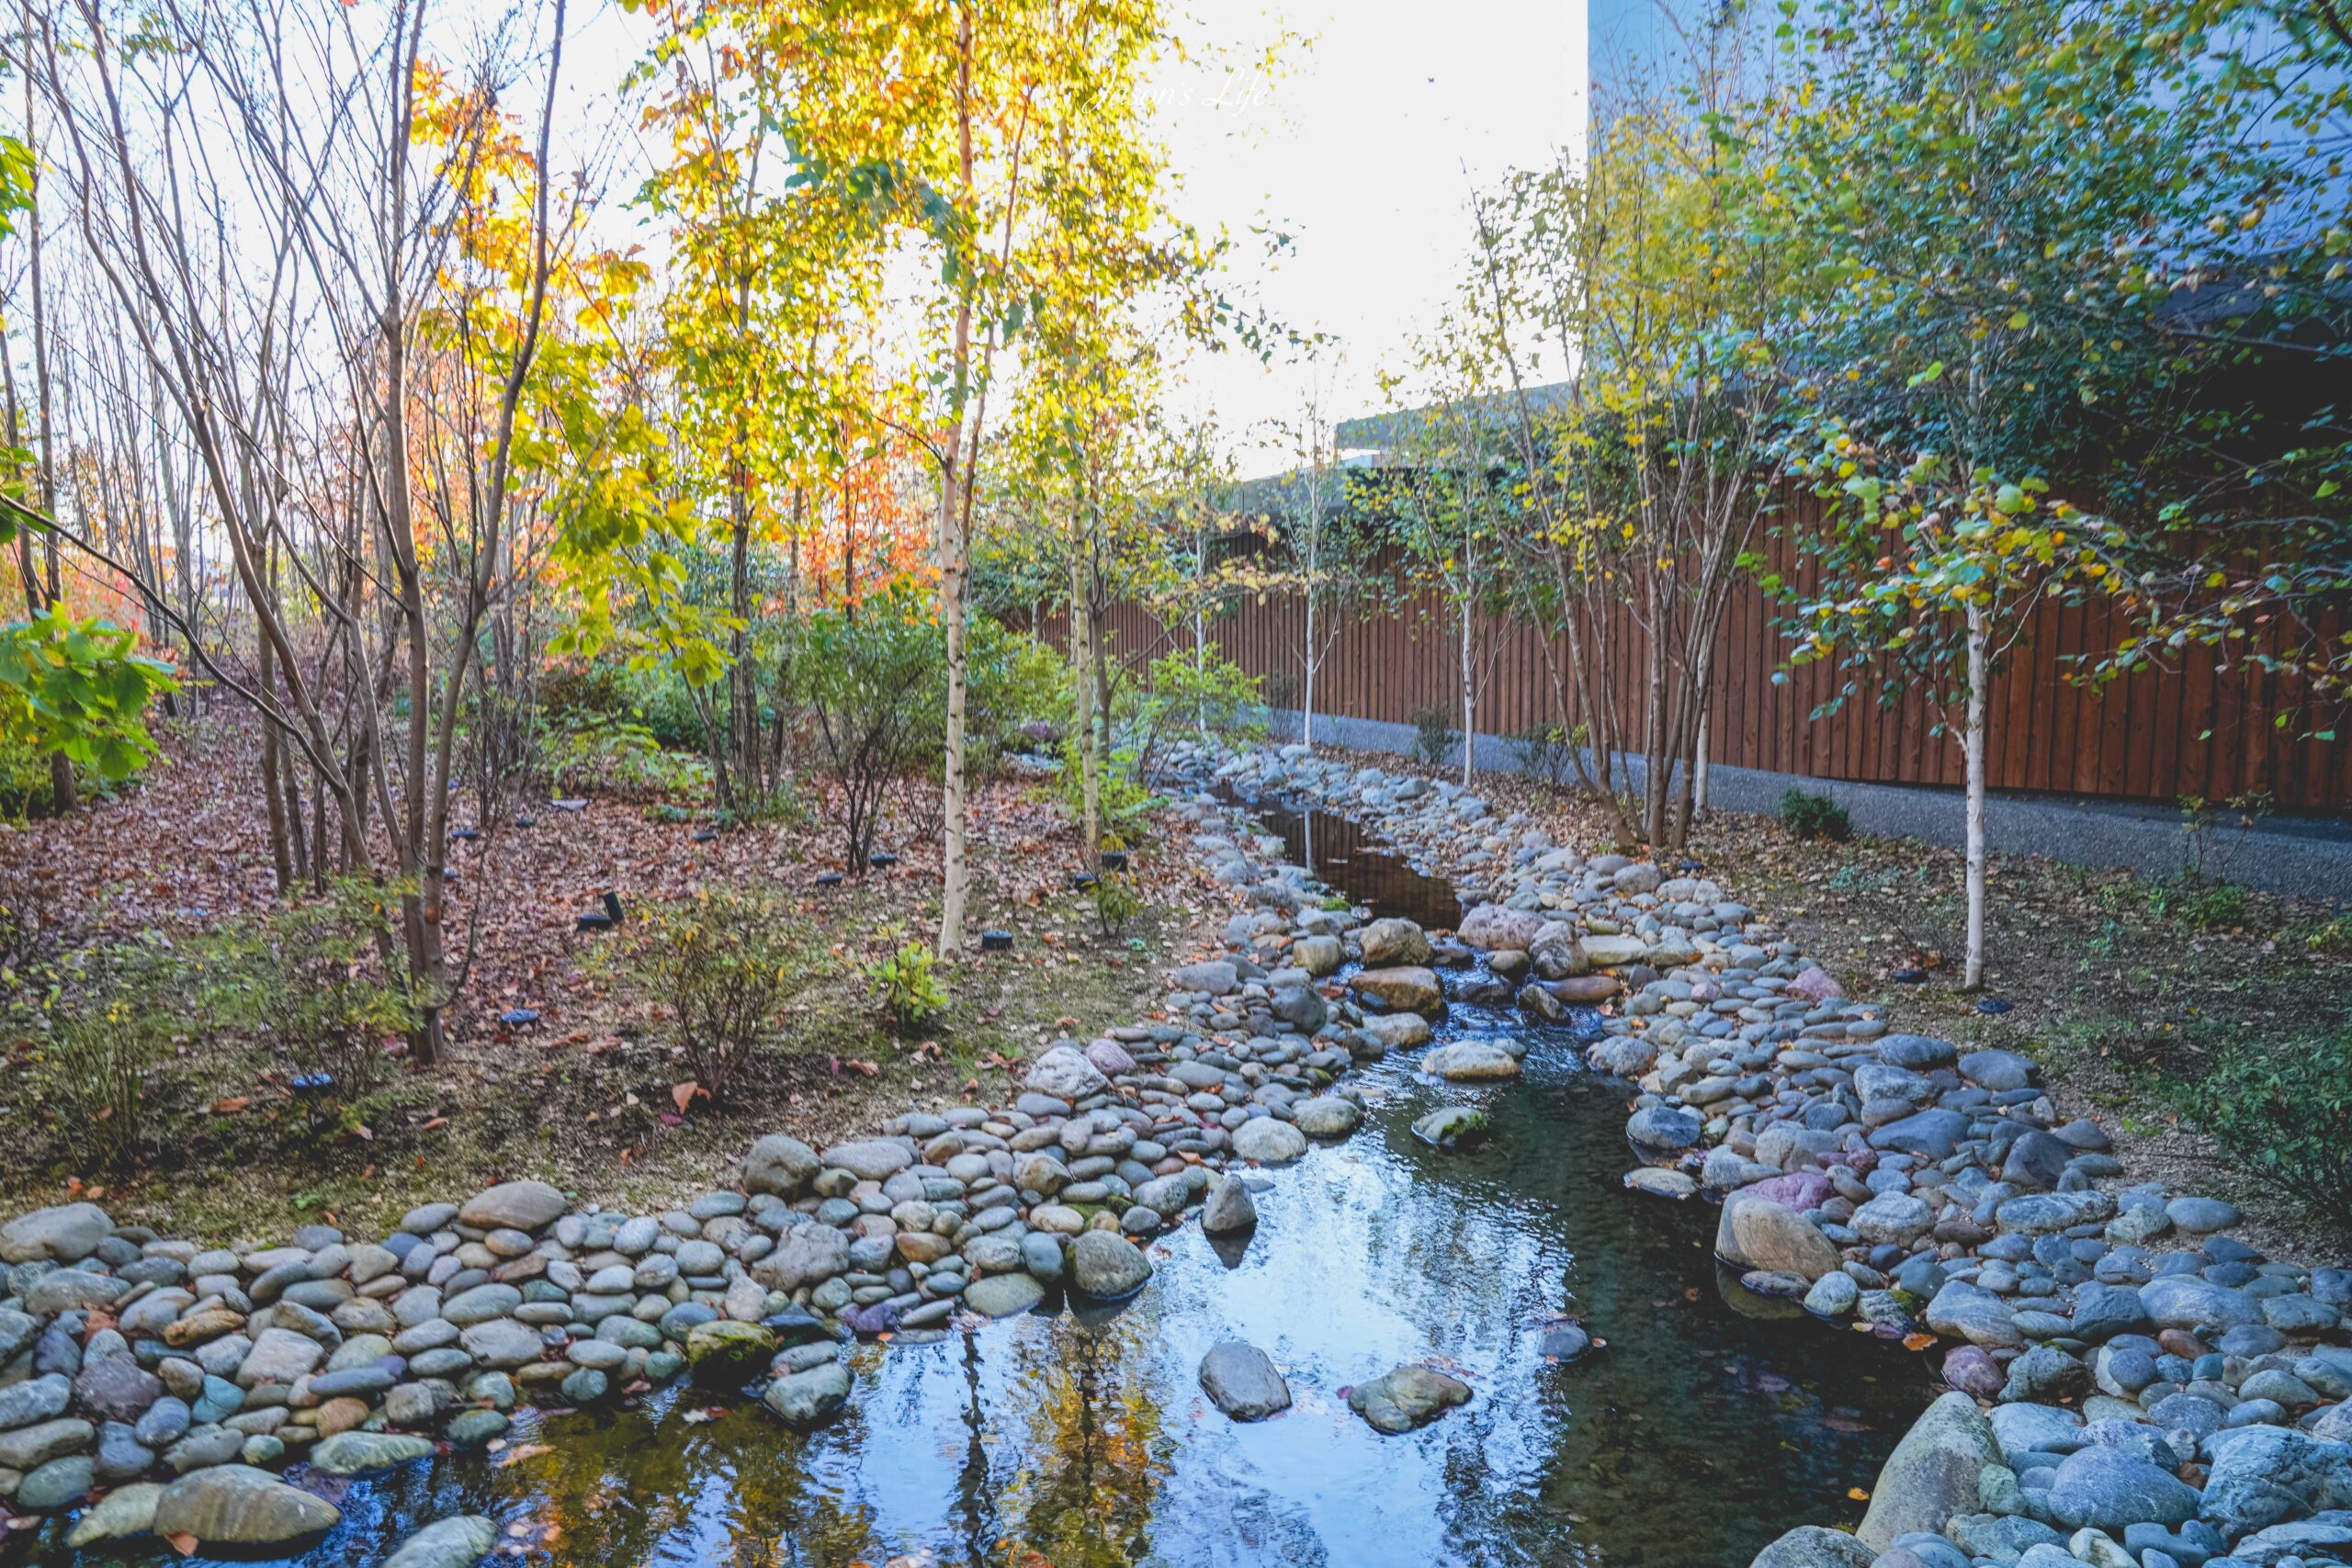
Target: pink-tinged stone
1972 1370
1798 1190
1109 1059
1814 984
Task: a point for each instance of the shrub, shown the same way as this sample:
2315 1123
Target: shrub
605 755
1122 798
1210 697
874 683
1548 754
1016 686
720 966
1433 735
93 1071
324 984
1116 902
2329 936
2281 1111
907 987
1814 816
2193 901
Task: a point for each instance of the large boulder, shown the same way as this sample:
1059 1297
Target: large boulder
1932 1474
2106 1489
1811 1546
1063 1073
780 1164
1410 988
1387 945
66 1233
1756 1233
235 1504
514 1205
1243 1381
1496 929
2267 1475
1107 1266
1268 1141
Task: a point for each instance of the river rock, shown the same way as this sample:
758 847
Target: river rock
1107 1266
1268 1141
2266 1475
1663 1132
1495 928
1407 1397
1242 1380
780 1164
234 1504
1410 988
1471 1061
1754 1232
878 1159
1063 1073
1229 1211
514 1205
354 1454
1327 1116
1452 1127
1932 1474
1003 1295
447 1543
1394 943
66 1233
1399 1030
805 1399
1812 1546
2103 1488
125 1512
724 1347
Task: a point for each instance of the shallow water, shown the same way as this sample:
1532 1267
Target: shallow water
1689 1437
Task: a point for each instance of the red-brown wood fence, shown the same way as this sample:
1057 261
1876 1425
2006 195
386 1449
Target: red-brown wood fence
2156 735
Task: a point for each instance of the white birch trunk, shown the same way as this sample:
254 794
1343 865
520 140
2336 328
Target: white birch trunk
1973 738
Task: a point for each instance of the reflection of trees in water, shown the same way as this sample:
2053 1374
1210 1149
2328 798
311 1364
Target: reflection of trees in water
1084 1479
735 1494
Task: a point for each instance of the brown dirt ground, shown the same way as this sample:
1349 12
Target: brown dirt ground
2113 998
584 1098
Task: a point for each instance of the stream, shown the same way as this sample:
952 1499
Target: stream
1690 1436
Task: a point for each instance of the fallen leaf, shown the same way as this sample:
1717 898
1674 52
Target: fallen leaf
182 1542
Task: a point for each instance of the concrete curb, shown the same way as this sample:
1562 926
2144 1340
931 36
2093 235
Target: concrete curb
2298 857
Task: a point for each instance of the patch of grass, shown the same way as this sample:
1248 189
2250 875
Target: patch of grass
2282 1110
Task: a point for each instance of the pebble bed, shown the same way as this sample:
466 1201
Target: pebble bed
153 1386
2129 1386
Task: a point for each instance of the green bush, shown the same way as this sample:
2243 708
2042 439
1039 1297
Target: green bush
1116 902
720 966
600 753
93 1071
874 684
1433 735
2333 936
1012 680
2193 901
1120 795
324 984
2281 1111
1548 754
907 987
23 779
1814 816
1187 696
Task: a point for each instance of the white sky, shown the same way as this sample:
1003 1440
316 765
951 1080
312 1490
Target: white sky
1357 149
